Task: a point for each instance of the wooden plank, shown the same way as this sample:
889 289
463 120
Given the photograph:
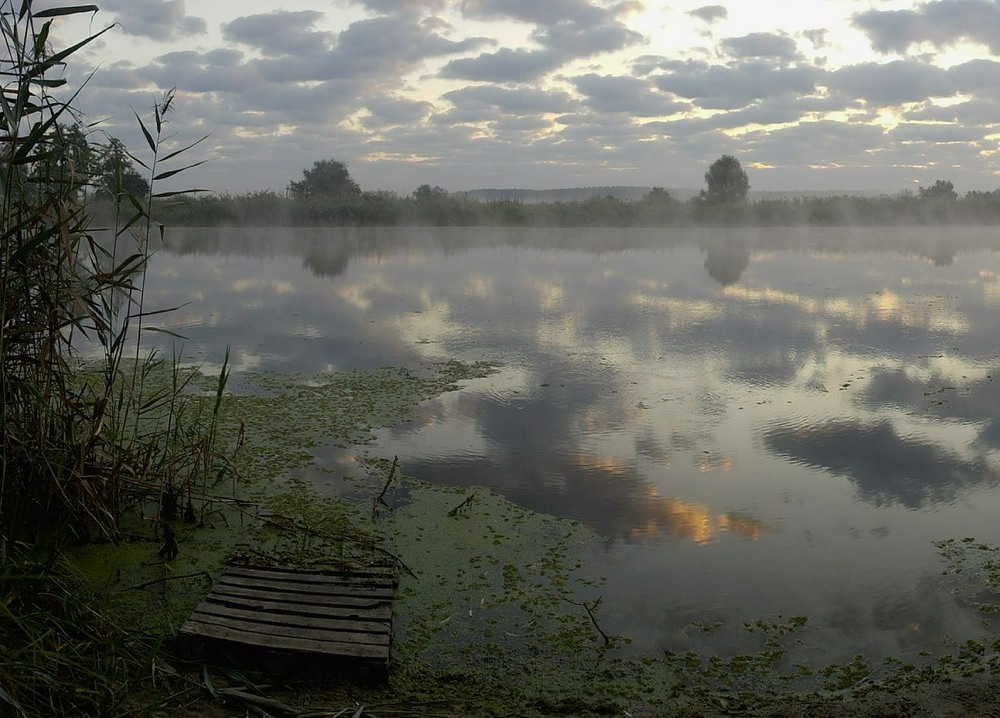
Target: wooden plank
346 626
266 631
381 611
336 614
358 602
381 579
301 645
306 587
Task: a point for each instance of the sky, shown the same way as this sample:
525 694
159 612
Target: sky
846 95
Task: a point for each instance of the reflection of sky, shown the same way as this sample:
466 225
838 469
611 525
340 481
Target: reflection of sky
758 421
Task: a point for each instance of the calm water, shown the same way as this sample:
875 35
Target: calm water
760 422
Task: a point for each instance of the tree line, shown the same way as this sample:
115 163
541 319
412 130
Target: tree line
326 194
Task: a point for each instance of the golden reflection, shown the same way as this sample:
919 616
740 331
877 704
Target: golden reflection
694 521
931 312
257 284
550 296
887 305
479 286
991 288
810 305
357 294
706 464
655 516
681 313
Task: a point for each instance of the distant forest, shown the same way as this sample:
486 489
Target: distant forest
433 206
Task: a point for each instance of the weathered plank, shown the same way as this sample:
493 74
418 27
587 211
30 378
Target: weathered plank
374 629
359 602
334 614
296 645
381 611
325 588
286 631
363 578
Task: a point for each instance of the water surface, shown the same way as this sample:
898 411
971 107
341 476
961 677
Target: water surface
760 422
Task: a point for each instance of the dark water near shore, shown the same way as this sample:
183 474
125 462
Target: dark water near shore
760 422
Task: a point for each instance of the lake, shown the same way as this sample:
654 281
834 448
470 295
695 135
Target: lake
761 422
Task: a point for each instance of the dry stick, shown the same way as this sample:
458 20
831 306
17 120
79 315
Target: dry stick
292 523
590 612
468 501
381 497
164 579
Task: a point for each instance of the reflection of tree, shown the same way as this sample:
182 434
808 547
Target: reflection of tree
328 260
728 248
725 262
886 468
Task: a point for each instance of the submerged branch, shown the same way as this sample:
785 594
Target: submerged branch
380 499
590 608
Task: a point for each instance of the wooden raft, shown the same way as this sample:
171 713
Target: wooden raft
292 618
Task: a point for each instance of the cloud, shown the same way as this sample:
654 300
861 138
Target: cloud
727 87
389 110
401 7
942 23
155 19
819 37
710 13
761 44
380 49
505 65
891 83
621 93
191 71
572 29
280 33
521 101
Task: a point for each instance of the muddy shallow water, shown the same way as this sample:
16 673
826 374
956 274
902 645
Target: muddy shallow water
760 422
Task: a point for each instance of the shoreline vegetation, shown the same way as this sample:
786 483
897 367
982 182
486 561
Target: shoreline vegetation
433 206
129 480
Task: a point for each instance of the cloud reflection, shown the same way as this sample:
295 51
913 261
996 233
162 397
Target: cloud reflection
885 467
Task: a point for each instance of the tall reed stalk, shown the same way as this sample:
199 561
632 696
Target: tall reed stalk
76 445
72 451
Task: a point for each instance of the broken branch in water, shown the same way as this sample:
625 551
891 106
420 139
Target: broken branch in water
468 502
380 499
591 607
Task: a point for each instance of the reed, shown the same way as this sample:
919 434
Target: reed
79 443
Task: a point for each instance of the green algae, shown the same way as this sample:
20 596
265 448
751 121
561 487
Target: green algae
266 427
493 616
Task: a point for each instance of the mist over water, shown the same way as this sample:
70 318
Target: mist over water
760 422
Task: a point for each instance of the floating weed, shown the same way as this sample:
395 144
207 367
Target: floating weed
974 570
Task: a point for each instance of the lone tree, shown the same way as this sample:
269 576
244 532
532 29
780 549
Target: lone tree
115 173
326 178
727 182
941 189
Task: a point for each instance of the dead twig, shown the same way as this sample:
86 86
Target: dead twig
468 502
590 608
164 579
380 499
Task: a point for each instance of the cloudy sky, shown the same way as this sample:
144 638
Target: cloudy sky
816 94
